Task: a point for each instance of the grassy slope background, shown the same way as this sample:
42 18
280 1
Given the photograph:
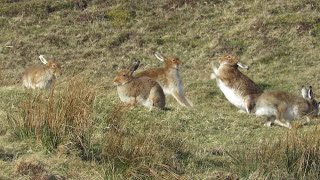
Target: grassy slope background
278 39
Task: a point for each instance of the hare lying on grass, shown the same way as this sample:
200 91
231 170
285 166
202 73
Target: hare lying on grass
41 76
237 87
278 106
169 78
139 90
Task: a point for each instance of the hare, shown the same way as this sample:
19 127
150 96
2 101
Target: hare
237 87
169 78
139 90
278 105
41 76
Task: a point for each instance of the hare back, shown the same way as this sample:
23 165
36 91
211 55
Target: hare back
278 97
278 102
168 79
139 87
154 73
143 91
234 79
37 77
290 113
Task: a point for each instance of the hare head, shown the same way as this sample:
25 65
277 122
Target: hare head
125 76
231 61
308 95
171 62
53 67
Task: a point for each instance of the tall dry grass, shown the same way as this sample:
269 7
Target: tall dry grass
295 155
55 117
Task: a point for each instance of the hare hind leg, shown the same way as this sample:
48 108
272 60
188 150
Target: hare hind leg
157 98
270 121
249 104
286 124
282 108
181 99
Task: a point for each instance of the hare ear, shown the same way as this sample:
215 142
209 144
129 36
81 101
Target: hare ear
242 65
304 92
310 93
42 59
134 67
158 56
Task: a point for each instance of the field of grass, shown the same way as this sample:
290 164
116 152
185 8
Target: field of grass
80 130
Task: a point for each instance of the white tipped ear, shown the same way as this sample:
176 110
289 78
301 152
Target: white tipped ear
42 59
242 66
310 93
134 67
304 92
158 56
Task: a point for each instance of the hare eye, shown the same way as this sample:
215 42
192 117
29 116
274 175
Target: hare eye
54 66
229 57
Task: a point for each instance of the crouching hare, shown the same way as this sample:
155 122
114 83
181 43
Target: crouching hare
236 87
41 76
169 78
139 90
278 106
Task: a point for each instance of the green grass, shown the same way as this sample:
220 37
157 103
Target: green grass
278 40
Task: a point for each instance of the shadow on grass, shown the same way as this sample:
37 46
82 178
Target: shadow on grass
264 86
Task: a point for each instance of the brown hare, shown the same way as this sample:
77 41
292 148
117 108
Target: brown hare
278 106
169 78
237 87
41 76
139 90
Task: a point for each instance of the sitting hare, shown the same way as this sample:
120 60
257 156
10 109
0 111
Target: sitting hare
237 87
139 90
278 106
41 76
168 77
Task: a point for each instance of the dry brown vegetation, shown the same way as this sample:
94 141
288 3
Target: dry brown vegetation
52 117
80 130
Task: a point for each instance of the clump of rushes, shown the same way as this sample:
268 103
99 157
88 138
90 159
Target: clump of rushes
53 118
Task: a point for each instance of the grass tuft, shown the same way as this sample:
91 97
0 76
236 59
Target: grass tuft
60 116
294 155
119 16
153 153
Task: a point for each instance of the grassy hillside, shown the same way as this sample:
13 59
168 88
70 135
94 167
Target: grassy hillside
80 130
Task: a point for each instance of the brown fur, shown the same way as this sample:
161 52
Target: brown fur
283 104
135 90
169 78
242 90
41 75
232 77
